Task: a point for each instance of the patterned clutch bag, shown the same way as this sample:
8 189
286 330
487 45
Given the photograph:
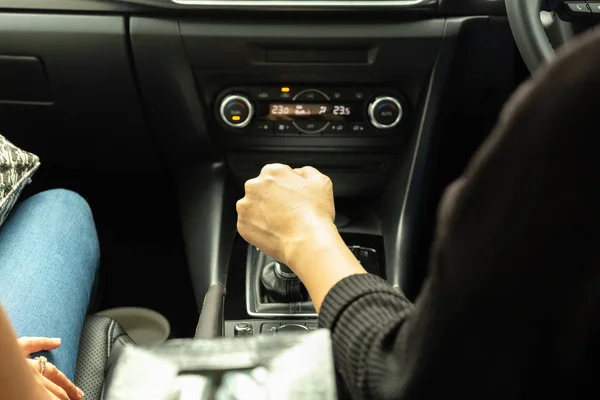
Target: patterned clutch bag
16 169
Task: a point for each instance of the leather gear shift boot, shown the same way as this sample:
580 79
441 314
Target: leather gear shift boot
281 285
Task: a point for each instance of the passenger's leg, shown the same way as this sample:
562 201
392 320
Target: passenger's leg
49 256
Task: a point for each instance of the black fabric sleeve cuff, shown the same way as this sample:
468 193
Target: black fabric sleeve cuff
347 291
364 314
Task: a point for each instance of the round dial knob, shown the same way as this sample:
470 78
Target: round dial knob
243 329
385 112
236 111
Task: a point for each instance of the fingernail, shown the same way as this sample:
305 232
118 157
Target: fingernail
56 339
80 393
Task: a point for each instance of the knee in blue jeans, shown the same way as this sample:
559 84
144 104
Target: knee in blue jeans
64 199
70 210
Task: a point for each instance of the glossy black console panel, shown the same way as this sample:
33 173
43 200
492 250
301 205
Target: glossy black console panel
270 326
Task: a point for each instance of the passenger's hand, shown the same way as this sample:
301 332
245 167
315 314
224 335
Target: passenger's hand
55 382
283 206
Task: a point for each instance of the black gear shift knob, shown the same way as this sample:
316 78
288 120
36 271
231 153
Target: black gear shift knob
283 271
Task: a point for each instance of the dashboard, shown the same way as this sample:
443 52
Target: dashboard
344 86
449 7
368 92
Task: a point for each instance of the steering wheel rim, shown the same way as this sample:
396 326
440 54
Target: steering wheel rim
528 31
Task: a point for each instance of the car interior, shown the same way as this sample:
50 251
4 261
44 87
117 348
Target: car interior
158 111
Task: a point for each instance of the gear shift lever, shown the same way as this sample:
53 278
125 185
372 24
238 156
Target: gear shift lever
281 284
283 271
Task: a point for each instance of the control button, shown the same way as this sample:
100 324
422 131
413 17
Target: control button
363 253
344 95
286 93
264 128
595 7
335 128
311 95
579 8
312 326
292 328
269 328
385 112
358 95
242 329
236 111
283 128
311 127
263 94
357 128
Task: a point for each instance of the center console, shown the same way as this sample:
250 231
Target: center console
367 101
276 301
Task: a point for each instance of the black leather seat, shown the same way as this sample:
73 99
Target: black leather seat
101 337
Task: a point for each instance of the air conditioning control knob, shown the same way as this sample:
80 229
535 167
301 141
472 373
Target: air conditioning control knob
385 112
236 111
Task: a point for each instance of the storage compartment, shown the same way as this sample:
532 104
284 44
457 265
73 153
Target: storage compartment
24 79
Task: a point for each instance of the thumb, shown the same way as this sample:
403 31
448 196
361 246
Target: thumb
31 345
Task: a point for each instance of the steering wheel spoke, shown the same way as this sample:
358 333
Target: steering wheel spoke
537 33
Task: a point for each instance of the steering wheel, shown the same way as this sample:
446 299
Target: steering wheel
536 32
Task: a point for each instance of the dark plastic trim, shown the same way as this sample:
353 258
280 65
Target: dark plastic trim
70 5
472 7
210 323
208 221
308 4
172 102
402 202
93 108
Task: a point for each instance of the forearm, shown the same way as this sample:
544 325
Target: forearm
362 311
322 259
16 378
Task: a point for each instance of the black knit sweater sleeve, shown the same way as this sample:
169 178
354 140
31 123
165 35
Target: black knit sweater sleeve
362 311
520 226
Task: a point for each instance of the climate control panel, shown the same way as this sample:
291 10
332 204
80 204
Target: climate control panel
310 111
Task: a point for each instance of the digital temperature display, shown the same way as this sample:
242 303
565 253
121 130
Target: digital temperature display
310 111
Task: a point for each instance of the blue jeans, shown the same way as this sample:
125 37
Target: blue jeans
49 256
